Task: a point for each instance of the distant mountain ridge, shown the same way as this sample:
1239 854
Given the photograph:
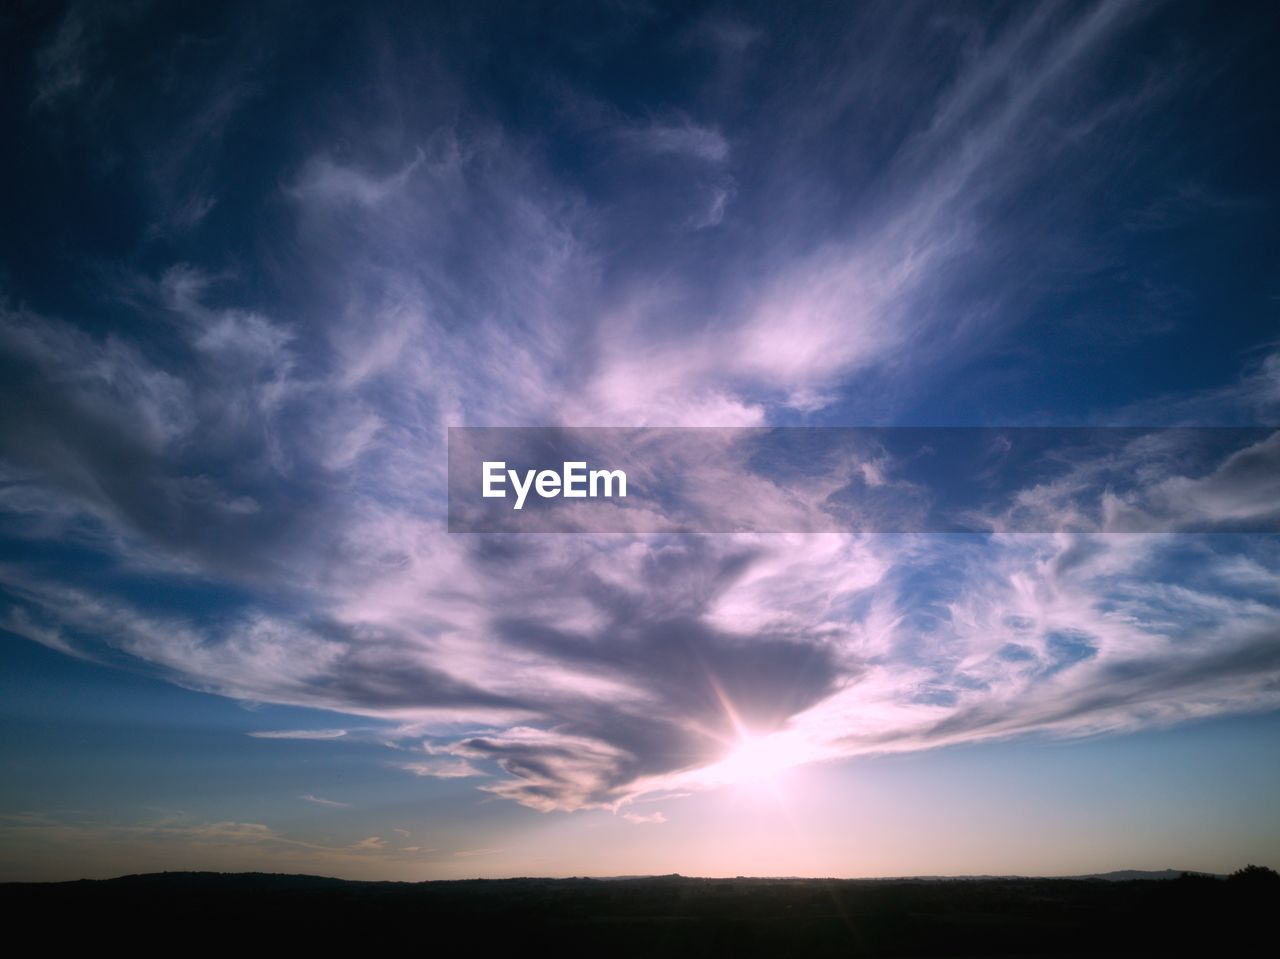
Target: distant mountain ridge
303 879
1122 875
1118 875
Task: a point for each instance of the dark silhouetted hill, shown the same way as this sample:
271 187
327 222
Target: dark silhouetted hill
663 915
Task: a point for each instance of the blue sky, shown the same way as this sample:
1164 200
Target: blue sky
257 259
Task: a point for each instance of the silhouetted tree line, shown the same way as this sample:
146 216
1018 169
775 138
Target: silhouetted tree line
1256 876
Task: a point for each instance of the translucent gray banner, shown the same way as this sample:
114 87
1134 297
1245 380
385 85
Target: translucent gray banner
867 480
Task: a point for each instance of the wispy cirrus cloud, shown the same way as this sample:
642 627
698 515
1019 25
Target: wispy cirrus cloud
443 769
60 64
321 801
645 819
678 135
278 429
299 734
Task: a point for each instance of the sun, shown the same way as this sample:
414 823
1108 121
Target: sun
756 759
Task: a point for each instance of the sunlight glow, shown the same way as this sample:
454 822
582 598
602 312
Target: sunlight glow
757 759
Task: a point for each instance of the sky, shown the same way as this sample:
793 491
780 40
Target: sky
256 260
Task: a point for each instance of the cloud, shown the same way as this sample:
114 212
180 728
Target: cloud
1251 398
718 197
443 769
319 801
272 432
679 136
300 734
642 819
60 65
1245 487
323 181
174 842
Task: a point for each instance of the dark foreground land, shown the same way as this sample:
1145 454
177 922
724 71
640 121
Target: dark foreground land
663 916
